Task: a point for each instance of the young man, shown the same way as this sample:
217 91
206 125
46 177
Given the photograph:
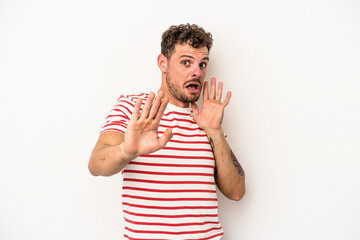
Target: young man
171 153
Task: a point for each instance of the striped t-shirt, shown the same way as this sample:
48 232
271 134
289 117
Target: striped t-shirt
171 193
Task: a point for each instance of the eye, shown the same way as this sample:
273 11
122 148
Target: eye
185 62
202 65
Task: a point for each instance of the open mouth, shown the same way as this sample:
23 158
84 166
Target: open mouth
193 87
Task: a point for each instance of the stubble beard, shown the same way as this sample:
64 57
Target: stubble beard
177 92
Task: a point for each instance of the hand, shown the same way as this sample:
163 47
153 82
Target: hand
211 114
141 136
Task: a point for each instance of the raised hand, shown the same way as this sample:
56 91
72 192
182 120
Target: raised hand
141 136
211 114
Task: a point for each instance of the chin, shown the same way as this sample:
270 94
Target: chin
192 98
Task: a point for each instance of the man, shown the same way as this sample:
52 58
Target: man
171 153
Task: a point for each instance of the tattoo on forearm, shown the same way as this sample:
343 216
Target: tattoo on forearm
215 176
212 148
236 163
212 144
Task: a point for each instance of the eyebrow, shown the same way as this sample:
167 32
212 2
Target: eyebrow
189 56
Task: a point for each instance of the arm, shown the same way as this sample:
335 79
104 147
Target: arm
108 156
113 151
229 175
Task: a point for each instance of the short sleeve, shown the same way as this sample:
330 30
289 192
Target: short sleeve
119 115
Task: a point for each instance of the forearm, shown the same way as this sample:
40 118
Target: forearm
107 160
229 175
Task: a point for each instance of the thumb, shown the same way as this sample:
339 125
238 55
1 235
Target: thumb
195 109
165 137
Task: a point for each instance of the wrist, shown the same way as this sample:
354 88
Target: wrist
214 133
124 155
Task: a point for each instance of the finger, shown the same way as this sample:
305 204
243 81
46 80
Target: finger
212 88
145 111
227 99
155 106
219 91
161 110
135 113
206 91
165 137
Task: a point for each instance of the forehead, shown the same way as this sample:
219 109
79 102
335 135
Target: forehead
187 50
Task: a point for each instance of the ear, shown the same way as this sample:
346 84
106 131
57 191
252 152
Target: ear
162 62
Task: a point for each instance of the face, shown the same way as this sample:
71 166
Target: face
185 73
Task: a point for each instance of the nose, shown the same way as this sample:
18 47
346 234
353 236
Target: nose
196 73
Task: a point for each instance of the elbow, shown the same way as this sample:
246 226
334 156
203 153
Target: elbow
238 195
92 169
97 168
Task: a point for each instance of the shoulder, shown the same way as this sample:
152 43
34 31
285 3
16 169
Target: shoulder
129 100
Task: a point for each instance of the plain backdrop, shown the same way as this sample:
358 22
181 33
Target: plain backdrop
293 120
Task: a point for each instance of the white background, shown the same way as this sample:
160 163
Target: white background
293 120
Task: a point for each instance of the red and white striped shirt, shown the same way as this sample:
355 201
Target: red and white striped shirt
171 193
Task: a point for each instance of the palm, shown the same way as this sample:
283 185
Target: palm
211 114
141 136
